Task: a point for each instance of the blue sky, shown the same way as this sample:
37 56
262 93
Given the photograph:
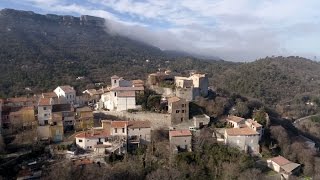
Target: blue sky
237 30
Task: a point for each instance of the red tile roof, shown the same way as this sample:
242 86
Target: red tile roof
254 123
93 134
235 119
280 160
126 94
119 124
44 102
139 124
241 132
177 133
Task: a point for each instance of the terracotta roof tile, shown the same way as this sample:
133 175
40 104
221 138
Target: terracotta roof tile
177 133
93 135
280 160
241 132
235 119
126 94
139 124
44 102
119 124
254 123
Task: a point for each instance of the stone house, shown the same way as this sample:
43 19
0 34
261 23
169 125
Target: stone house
201 120
235 121
255 126
119 128
246 139
23 118
190 87
178 109
139 132
20 102
283 166
67 93
84 118
180 140
65 114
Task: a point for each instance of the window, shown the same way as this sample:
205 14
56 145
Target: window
115 130
177 111
182 111
181 119
122 130
45 115
44 108
45 122
115 81
139 129
182 105
115 93
80 140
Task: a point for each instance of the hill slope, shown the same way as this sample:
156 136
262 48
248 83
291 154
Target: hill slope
43 51
273 80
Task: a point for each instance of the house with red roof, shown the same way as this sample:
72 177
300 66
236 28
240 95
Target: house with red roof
246 139
180 140
283 166
139 132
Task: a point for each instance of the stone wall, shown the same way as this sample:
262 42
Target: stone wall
157 120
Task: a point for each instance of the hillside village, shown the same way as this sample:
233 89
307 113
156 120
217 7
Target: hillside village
96 124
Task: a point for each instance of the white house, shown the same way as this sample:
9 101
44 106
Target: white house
122 95
67 93
45 111
88 140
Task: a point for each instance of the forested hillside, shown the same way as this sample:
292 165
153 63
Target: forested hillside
43 51
273 79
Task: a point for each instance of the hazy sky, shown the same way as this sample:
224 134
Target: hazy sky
237 30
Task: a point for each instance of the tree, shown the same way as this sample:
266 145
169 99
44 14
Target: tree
260 117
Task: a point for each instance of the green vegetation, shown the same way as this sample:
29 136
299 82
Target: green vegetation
315 119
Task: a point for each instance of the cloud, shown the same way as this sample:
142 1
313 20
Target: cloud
234 30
